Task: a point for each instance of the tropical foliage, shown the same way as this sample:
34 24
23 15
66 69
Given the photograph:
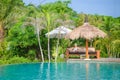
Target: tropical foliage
23 28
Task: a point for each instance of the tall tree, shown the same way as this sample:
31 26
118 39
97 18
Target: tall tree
6 8
37 20
57 14
48 29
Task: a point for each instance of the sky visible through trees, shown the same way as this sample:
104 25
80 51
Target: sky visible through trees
101 7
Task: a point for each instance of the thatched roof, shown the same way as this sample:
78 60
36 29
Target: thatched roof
86 31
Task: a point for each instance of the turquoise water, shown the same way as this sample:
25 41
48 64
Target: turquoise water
61 71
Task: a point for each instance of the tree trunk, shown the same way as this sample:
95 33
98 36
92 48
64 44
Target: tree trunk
48 47
57 49
1 32
108 50
48 26
40 47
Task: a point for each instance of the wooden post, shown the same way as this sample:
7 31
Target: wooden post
98 54
87 55
67 54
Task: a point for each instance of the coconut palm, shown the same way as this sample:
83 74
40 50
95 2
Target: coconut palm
6 8
10 12
38 25
37 20
48 29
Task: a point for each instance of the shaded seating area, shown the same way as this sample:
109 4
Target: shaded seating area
81 51
87 32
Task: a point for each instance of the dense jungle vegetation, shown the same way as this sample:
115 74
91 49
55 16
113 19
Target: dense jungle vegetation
23 28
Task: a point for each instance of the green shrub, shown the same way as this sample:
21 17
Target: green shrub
3 62
31 54
60 59
35 60
18 60
104 55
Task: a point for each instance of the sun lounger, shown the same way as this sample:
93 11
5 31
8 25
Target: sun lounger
81 51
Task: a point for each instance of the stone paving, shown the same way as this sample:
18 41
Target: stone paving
95 60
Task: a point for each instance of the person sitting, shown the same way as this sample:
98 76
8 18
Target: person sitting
75 47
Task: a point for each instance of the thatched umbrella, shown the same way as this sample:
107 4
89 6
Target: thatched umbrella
86 31
59 33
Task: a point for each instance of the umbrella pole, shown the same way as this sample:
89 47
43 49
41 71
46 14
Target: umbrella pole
57 50
87 56
57 47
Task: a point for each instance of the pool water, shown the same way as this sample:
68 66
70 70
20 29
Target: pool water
61 71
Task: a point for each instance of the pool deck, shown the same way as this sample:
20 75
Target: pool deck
96 60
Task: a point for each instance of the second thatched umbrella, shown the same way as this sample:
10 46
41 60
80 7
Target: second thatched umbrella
86 31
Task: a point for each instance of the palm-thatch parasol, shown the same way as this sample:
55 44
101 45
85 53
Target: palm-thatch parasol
59 33
86 31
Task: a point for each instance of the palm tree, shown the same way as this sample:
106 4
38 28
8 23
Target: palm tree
36 19
50 19
115 48
48 28
38 24
63 20
10 12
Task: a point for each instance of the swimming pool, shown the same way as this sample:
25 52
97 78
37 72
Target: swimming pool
61 71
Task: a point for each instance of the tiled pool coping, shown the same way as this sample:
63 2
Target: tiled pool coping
96 60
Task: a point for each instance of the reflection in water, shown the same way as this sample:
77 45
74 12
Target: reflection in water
98 70
90 72
48 71
1 71
41 70
61 71
44 72
87 70
56 69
